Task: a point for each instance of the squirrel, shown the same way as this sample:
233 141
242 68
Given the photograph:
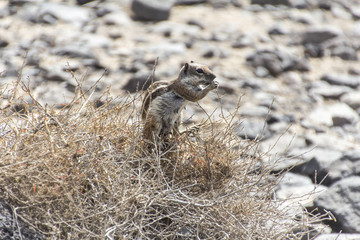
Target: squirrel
165 100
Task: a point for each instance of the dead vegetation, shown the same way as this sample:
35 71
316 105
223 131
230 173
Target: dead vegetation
81 172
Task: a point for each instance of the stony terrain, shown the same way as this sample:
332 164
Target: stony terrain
298 59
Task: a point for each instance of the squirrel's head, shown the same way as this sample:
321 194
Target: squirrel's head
196 74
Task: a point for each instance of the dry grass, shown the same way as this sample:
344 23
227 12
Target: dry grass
81 173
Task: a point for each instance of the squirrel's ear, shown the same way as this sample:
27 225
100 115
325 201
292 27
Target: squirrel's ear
186 67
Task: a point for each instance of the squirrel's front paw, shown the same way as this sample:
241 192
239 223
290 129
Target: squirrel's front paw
214 84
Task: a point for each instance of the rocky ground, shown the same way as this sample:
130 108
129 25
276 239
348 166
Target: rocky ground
298 58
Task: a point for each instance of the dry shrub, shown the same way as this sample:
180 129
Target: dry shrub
81 172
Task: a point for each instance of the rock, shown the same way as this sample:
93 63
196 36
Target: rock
3 43
278 30
166 50
328 91
55 75
341 169
343 200
252 129
82 2
74 51
337 114
315 162
138 82
299 189
275 62
175 30
271 2
279 145
324 4
243 40
355 12
10 225
155 10
344 52
352 99
342 79
337 236
211 51
118 18
51 12
254 111
219 3
189 2
313 50
318 35
54 93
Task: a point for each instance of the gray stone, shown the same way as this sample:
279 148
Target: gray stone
344 52
252 129
352 99
315 162
337 236
313 50
73 51
3 43
52 12
276 62
254 111
155 10
118 18
12 227
342 79
175 30
355 12
328 91
138 82
298 188
343 200
54 93
211 51
318 35
242 41
337 114
271 2
341 169
189 2
166 50
278 30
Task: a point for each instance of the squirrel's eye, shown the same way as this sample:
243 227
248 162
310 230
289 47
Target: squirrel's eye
199 70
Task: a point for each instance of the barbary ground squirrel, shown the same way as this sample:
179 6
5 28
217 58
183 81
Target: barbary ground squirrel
164 100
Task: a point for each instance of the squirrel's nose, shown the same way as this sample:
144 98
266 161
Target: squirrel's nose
212 76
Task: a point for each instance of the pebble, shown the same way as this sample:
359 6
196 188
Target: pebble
10 225
140 81
328 91
316 163
337 114
337 236
319 34
346 192
252 129
344 52
50 13
275 63
155 10
352 99
271 2
299 189
342 80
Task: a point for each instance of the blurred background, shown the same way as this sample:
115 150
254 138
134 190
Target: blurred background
293 63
